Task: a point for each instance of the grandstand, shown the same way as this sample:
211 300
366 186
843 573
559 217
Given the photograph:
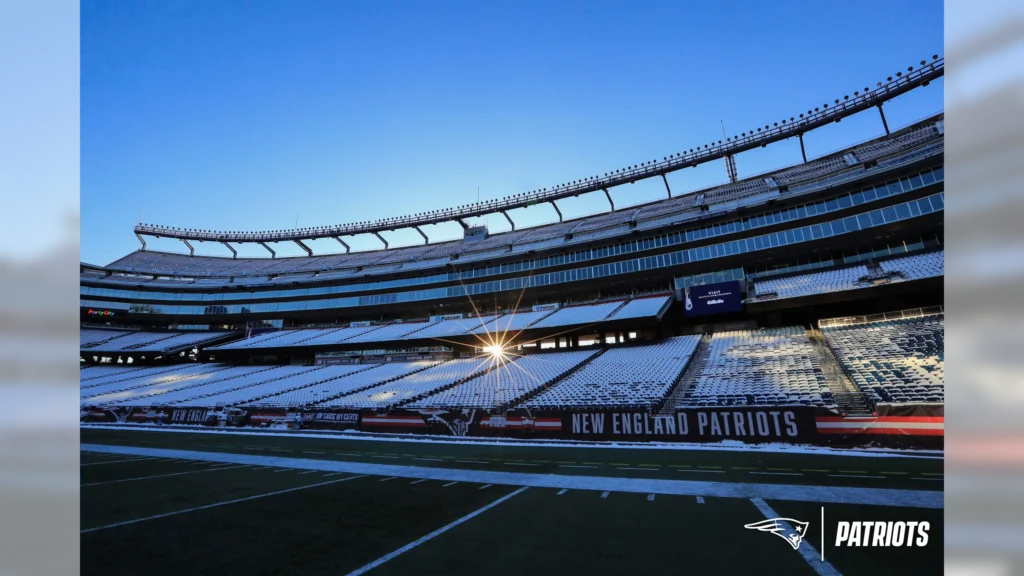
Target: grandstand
585 315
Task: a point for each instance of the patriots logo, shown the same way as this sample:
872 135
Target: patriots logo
792 531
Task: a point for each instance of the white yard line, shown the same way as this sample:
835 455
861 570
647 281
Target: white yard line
218 469
116 461
700 499
806 550
197 508
449 484
562 491
418 481
679 487
604 494
432 535
778 473
855 476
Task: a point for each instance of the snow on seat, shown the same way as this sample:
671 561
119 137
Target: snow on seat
632 377
768 367
894 360
412 386
581 314
506 383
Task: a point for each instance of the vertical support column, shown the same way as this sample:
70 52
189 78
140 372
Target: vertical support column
557 210
191 250
272 253
425 239
234 254
347 249
139 236
730 167
884 123
507 217
803 152
381 238
609 197
665 180
304 247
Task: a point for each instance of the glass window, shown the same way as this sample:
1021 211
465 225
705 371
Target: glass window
790 237
876 218
916 181
938 202
832 205
902 211
889 214
845 201
864 221
838 227
826 229
881 191
858 198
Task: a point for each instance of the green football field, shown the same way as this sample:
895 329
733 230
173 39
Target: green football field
170 502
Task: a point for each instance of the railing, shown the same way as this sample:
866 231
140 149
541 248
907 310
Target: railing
909 313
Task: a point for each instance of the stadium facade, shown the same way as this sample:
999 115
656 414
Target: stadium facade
804 304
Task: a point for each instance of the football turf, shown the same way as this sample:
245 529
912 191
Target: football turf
164 516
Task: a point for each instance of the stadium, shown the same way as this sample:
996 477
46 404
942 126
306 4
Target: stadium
771 347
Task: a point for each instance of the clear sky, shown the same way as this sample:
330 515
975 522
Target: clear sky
236 115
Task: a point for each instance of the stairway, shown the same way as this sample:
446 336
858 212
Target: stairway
849 399
697 362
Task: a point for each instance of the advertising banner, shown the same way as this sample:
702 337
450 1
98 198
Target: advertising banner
715 298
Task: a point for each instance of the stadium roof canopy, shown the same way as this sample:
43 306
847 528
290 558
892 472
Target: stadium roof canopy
796 126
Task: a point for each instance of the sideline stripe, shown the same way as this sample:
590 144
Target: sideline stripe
432 535
878 496
116 461
810 555
162 476
256 497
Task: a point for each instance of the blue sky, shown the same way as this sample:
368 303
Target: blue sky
238 115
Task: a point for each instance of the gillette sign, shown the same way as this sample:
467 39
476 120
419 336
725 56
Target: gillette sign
712 298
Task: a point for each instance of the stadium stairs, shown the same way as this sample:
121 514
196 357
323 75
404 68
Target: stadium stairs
697 362
526 397
849 399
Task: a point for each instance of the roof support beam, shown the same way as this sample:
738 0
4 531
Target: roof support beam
347 249
381 238
557 210
272 253
139 236
609 197
509 218
665 180
304 247
464 225
191 250
730 167
803 151
234 254
884 123
425 239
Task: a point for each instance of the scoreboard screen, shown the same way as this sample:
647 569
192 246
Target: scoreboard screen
713 298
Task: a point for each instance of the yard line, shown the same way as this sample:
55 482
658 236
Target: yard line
346 454
650 497
432 535
279 450
197 508
307 472
854 476
704 471
715 467
485 486
251 448
628 468
418 481
813 470
565 462
596 463
284 470
562 491
391 457
312 452
780 469
778 473
429 459
333 474
518 464
809 554
931 479
449 484
472 461
853 471
574 466
743 468
700 499
884 472
620 464
386 479
159 476
604 494
219 466
931 474
115 461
